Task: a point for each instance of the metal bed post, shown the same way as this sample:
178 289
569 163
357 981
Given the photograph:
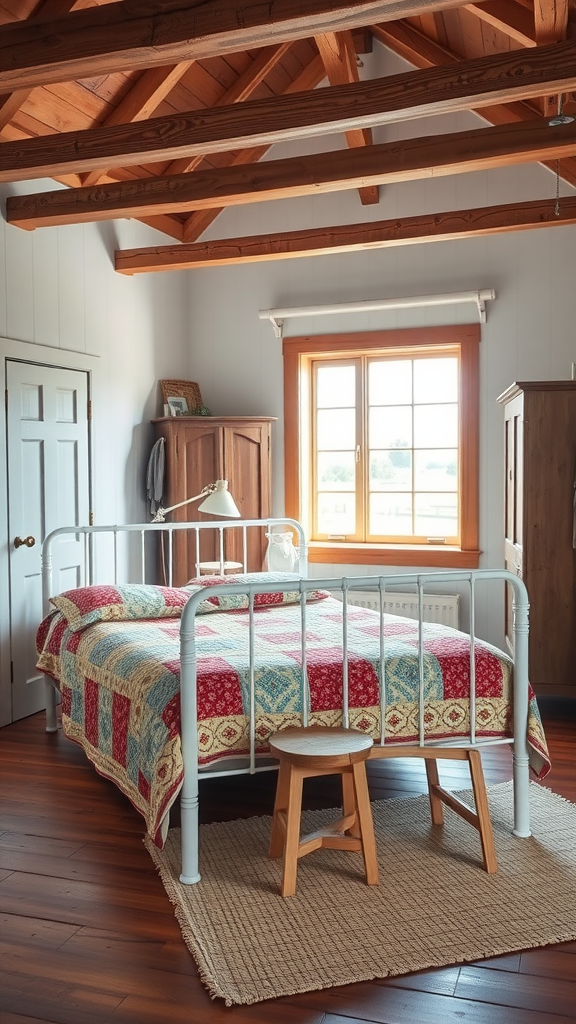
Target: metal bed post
305 686
50 689
472 662
520 760
252 682
189 795
382 679
345 692
421 701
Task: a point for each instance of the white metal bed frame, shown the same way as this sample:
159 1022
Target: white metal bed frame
189 796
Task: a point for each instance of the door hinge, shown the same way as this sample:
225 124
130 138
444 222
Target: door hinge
89 408
6 397
90 518
11 673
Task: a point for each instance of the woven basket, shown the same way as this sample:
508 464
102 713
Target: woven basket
187 389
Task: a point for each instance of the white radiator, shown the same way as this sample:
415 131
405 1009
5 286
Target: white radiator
442 608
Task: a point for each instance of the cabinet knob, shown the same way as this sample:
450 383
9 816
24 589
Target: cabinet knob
29 542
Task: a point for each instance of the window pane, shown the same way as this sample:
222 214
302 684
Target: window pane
337 468
391 514
336 386
391 471
336 513
336 429
436 470
390 381
436 380
436 515
390 427
435 426
381 428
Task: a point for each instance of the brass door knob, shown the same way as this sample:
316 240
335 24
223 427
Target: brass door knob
28 541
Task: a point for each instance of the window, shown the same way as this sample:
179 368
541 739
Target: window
381 441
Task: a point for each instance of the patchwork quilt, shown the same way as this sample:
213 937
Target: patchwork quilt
119 676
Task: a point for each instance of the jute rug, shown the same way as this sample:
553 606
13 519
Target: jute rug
434 906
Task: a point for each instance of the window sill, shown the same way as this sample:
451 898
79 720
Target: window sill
435 555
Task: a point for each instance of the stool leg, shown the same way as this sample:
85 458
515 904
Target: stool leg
349 802
364 812
436 808
280 804
483 812
288 887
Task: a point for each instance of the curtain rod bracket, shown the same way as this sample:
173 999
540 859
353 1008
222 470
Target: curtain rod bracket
276 326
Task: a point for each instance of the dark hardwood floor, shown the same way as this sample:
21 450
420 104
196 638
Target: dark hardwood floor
87 934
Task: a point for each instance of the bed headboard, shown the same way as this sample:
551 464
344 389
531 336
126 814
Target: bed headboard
76 556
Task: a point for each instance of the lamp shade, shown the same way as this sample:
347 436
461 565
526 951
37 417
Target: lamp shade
220 502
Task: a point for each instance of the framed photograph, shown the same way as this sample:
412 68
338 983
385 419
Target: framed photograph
187 389
177 405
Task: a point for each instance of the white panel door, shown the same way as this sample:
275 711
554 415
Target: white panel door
48 487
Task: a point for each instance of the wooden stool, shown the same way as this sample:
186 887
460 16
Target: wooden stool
317 750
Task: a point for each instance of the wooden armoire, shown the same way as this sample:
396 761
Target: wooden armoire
202 449
540 509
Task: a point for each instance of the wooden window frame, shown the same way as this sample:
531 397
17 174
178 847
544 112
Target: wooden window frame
297 353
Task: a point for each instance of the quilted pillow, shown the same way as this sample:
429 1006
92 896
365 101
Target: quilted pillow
239 602
86 605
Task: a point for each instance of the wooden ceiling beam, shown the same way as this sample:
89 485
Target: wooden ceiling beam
147 94
409 160
339 58
435 227
550 20
411 44
508 17
435 90
10 105
171 226
124 36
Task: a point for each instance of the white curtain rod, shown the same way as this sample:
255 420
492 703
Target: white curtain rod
277 316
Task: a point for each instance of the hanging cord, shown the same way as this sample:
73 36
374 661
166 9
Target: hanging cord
554 122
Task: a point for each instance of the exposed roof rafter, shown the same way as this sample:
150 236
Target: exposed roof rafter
338 56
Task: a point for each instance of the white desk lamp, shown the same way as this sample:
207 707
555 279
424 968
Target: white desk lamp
217 500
